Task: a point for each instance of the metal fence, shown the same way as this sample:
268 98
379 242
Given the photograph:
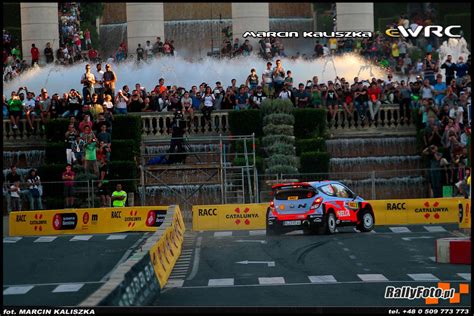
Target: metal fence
388 184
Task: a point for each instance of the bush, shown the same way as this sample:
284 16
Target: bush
279 118
272 129
311 144
245 122
55 153
314 162
272 139
240 161
123 150
127 127
51 172
281 169
310 123
280 159
277 106
56 129
280 148
126 170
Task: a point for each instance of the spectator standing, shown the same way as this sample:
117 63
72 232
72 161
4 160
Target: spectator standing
11 178
242 99
104 137
278 75
68 177
34 55
267 80
88 81
404 97
440 90
90 161
103 184
99 82
148 51
140 52
44 106
109 80
461 70
449 68
78 149
119 197
70 138
29 107
252 79
301 97
429 68
15 196
87 37
36 190
48 53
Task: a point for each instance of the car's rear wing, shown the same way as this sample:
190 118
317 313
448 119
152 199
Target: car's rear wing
291 185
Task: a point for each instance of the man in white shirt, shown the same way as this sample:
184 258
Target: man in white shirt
427 90
98 85
267 80
29 106
148 50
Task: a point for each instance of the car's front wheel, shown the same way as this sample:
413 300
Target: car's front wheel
331 223
367 221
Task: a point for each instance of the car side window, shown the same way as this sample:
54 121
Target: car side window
342 191
328 190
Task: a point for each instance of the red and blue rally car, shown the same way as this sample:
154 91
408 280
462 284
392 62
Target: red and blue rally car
317 207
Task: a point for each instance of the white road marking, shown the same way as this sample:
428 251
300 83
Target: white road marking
174 283
196 259
257 232
345 249
322 279
268 263
81 238
432 259
435 229
423 277
116 237
222 234
465 276
252 240
295 232
68 288
372 277
16 290
275 280
340 243
220 282
11 240
352 257
46 239
400 230
421 237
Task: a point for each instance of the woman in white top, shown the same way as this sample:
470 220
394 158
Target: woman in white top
35 190
208 100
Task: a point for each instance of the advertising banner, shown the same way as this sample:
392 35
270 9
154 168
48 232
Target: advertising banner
86 221
229 216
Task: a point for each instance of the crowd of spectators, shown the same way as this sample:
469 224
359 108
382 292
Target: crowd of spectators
441 104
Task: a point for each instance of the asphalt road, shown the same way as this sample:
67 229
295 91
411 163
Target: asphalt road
242 268
61 270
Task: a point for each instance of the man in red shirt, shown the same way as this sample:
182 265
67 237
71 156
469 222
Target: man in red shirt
68 178
374 93
34 54
93 54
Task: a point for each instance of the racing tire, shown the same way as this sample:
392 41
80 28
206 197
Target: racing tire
330 223
367 221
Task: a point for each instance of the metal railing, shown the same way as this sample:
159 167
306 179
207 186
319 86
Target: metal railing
158 124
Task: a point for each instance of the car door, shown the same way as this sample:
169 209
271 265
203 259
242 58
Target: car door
348 206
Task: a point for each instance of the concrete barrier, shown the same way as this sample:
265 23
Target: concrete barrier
135 282
453 250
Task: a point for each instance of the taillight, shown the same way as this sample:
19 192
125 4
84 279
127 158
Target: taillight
272 204
317 203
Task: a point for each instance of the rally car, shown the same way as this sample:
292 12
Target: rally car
317 207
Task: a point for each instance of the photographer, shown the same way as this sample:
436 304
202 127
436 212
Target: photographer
436 162
88 80
177 132
404 97
74 107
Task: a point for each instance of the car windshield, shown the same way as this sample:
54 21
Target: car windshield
294 194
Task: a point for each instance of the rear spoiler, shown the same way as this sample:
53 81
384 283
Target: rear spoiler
292 185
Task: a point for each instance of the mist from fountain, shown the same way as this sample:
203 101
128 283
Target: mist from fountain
187 72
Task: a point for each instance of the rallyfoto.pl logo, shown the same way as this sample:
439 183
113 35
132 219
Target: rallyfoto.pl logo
432 295
427 31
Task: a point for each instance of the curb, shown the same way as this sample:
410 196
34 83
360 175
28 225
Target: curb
453 250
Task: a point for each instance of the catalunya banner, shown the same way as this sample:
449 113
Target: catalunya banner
229 216
86 221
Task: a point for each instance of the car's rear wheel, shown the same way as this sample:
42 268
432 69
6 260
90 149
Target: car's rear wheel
331 223
367 221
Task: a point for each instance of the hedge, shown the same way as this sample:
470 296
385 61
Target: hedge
127 127
272 139
277 106
55 153
240 161
280 148
279 159
245 122
279 118
123 150
309 122
56 129
314 162
311 144
272 129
